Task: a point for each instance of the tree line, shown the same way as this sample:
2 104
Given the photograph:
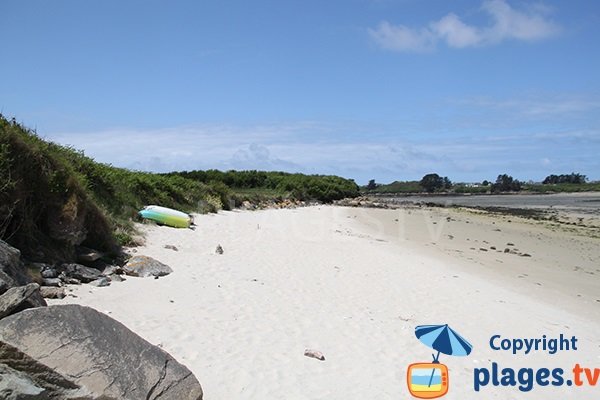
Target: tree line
433 182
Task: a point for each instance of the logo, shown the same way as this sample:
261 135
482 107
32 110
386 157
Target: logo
431 380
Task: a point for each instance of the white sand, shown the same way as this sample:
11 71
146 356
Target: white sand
338 281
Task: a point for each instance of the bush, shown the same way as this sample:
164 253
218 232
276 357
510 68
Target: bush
506 183
433 182
573 178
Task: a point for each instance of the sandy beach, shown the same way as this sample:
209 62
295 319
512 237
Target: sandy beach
354 283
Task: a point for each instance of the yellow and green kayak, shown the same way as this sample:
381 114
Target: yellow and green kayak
166 216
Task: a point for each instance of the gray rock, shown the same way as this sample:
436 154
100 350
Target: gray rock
314 354
219 249
48 292
116 278
49 273
144 266
22 377
170 247
97 354
66 279
87 256
20 298
80 272
9 256
6 282
111 269
52 282
11 265
100 282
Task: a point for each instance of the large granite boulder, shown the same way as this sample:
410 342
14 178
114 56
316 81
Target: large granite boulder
6 282
11 267
20 298
22 377
144 266
9 256
97 354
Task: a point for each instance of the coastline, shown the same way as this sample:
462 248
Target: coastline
344 282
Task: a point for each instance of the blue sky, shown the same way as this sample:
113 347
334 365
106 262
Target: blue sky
384 89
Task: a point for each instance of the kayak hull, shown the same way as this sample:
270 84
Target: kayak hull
166 216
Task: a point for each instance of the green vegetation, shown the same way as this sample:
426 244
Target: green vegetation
435 183
54 198
572 178
506 183
567 183
325 188
562 187
405 187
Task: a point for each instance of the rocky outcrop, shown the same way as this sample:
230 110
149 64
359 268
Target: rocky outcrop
20 298
269 204
365 202
144 266
11 267
92 353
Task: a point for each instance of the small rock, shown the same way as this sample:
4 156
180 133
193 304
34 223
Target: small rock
80 272
56 282
116 278
493 247
52 292
510 244
100 282
314 354
507 250
483 249
111 270
525 255
170 247
144 266
219 249
87 256
69 280
49 273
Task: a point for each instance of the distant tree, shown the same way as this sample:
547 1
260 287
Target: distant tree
485 183
447 183
432 182
506 183
371 185
573 177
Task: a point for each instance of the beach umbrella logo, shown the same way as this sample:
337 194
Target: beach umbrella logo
429 380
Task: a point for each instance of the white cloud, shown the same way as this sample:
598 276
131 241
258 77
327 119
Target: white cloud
402 38
455 32
506 23
540 106
512 24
